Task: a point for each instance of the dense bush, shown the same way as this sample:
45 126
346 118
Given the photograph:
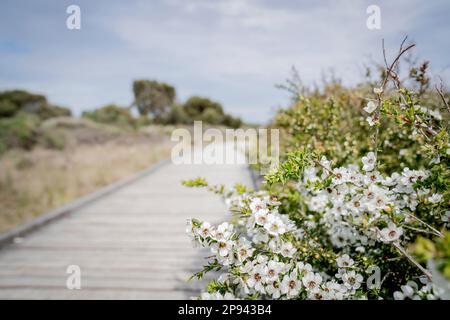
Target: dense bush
153 98
201 108
357 209
7 108
13 101
111 114
177 115
19 131
51 111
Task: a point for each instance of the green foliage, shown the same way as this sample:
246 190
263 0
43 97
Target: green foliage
53 139
212 116
177 115
291 169
365 175
232 122
111 114
199 182
50 111
202 108
18 131
7 108
153 98
11 102
195 107
425 249
24 101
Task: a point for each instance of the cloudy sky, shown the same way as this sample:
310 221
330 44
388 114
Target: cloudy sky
233 51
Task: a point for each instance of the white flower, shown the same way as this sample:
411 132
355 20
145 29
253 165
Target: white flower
412 176
376 198
222 247
205 229
352 280
275 245
392 180
360 249
217 296
372 177
291 285
317 294
369 161
408 291
223 231
370 107
261 217
274 289
334 291
355 205
310 174
257 278
399 295
423 192
391 233
261 236
273 270
288 250
435 198
446 217
312 280
371 121
274 225
227 259
436 114
339 175
190 229
257 204
345 261
303 268
317 203
247 267
244 249
377 90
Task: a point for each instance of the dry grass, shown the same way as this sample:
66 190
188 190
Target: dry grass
33 182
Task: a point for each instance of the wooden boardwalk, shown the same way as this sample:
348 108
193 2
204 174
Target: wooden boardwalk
130 244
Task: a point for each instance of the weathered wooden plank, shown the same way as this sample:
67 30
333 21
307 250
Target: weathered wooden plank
130 244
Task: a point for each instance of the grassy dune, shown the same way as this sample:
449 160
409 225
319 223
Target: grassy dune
33 182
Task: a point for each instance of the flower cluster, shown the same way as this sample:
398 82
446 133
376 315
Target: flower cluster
358 208
411 291
356 201
363 187
266 265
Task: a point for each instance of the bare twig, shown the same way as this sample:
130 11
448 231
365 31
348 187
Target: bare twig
436 232
440 91
396 60
393 75
419 230
409 257
413 261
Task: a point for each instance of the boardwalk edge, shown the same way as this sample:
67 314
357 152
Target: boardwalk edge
38 222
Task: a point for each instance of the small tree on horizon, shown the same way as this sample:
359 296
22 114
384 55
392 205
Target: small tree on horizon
153 98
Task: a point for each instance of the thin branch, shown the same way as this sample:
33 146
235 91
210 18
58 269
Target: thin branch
439 234
441 94
389 73
413 261
419 230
